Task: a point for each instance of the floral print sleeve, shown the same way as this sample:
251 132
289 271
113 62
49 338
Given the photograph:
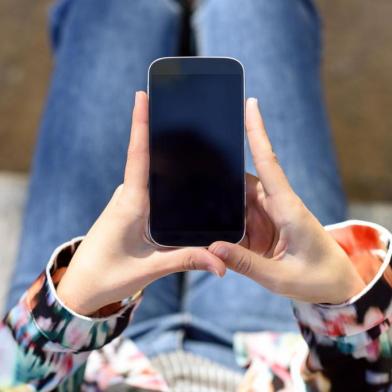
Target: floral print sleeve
44 346
350 344
43 343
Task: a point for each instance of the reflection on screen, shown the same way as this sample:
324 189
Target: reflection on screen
196 143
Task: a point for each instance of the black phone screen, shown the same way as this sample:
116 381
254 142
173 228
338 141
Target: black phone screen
196 114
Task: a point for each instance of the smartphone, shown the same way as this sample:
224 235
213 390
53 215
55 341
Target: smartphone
197 179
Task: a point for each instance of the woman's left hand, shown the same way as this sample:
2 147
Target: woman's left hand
115 260
285 249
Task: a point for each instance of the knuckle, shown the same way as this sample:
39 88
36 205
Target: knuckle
189 262
266 158
273 158
244 264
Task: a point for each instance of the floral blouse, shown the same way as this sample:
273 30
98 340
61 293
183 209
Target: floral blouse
45 346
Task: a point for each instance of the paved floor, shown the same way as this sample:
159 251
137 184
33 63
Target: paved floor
12 198
357 72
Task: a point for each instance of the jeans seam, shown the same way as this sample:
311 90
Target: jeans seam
197 14
315 23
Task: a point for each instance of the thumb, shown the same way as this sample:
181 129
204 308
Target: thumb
188 259
269 273
235 256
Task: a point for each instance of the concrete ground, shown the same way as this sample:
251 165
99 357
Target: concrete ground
13 195
357 74
12 198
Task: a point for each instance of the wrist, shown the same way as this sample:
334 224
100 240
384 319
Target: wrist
349 284
87 291
81 288
76 297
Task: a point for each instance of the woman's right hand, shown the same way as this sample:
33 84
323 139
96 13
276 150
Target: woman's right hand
285 249
115 260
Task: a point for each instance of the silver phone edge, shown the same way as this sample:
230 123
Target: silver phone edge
148 234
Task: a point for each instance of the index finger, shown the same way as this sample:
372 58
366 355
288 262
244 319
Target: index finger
137 166
267 166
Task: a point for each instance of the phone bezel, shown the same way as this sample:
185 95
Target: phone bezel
211 60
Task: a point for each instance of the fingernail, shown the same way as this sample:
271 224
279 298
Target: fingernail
213 271
221 252
253 101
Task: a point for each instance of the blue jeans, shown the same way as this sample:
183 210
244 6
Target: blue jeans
102 51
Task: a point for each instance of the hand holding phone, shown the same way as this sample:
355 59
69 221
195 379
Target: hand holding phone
285 248
115 260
